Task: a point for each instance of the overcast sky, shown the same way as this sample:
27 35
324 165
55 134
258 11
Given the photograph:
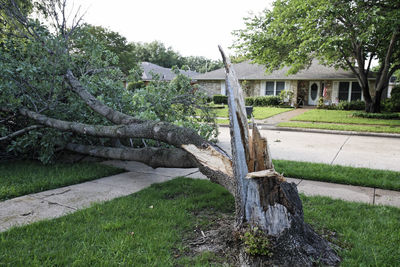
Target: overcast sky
193 28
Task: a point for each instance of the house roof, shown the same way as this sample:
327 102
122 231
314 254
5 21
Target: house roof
252 71
165 74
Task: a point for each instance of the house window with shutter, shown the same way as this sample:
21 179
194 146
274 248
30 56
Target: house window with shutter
344 88
349 91
274 88
355 91
280 86
270 88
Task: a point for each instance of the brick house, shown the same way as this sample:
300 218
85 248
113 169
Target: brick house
307 84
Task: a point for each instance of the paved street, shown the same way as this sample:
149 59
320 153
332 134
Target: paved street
350 150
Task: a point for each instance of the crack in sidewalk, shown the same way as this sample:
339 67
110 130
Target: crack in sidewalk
56 203
340 149
56 194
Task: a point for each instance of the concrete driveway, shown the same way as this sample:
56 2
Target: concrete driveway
356 151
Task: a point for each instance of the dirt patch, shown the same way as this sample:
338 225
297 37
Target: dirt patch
217 237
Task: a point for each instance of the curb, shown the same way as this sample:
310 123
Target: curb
306 130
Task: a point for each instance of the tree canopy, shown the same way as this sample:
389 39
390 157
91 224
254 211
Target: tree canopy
340 33
131 53
35 58
157 53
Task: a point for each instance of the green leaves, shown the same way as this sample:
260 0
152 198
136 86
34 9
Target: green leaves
296 31
177 102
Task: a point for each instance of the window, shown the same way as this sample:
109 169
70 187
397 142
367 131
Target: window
280 86
349 91
269 90
344 91
274 88
355 91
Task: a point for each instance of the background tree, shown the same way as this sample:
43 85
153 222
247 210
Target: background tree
117 44
202 64
340 33
157 53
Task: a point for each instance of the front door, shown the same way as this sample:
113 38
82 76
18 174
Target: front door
313 93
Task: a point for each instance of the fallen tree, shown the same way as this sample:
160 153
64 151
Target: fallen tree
263 199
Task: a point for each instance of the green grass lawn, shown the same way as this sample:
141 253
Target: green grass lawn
19 178
223 121
340 116
339 174
147 229
341 120
259 113
342 127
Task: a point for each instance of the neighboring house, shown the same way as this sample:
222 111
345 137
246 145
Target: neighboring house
307 85
164 74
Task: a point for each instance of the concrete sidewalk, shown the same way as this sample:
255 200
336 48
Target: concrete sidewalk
58 202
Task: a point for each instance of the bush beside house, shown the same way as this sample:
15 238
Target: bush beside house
392 104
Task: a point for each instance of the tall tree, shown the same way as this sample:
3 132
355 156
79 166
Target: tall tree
157 53
117 44
343 33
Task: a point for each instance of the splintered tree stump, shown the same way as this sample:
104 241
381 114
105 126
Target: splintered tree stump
263 198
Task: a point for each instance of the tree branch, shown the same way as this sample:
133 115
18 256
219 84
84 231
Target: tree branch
20 132
96 105
384 74
154 157
212 161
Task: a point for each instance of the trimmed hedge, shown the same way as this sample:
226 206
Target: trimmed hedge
220 99
352 105
263 101
384 116
255 101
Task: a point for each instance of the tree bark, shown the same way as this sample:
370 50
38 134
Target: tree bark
154 157
263 198
20 132
212 161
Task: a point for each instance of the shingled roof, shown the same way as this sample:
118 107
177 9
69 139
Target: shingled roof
165 74
252 71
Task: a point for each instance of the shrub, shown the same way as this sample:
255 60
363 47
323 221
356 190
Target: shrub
132 86
220 99
257 243
322 105
384 116
392 104
352 105
264 101
286 96
249 101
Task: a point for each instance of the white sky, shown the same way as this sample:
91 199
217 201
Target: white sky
193 28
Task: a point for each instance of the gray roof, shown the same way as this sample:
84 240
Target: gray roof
165 74
252 71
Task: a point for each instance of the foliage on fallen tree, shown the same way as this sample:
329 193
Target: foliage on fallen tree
34 60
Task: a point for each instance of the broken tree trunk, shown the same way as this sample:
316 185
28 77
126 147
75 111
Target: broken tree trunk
263 198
